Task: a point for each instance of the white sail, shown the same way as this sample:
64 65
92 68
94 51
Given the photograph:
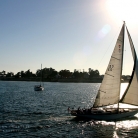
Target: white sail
109 90
131 94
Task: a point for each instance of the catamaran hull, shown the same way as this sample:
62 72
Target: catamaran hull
107 117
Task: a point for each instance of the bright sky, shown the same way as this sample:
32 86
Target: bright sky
63 34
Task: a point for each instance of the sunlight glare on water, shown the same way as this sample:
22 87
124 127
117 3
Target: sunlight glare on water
26 113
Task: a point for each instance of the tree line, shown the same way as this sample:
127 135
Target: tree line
50 73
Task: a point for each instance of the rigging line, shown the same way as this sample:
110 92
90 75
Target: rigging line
108 47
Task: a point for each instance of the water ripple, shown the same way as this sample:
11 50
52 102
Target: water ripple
26 113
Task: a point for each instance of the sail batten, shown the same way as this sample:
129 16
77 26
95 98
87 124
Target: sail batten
115 58
110 86
109 75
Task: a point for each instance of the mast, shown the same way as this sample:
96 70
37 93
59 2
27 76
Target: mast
121 62
41 75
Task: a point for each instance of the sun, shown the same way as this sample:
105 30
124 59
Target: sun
125 10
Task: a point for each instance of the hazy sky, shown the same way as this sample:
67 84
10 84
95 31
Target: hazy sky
63 34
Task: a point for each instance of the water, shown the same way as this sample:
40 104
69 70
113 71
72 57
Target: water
26 113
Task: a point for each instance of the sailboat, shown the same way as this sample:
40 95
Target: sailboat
109 90
39 87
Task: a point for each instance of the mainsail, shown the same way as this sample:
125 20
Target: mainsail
131 94
109 91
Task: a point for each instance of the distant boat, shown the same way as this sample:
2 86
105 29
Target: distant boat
109 91
39 87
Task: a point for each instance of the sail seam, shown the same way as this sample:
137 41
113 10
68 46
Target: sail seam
102 91
115 58
109 74
120 40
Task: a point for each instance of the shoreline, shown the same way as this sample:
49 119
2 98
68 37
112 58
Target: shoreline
57 80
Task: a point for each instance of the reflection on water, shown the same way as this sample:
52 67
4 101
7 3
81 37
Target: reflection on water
26 113
128 128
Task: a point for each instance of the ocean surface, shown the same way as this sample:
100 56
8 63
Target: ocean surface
25 113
